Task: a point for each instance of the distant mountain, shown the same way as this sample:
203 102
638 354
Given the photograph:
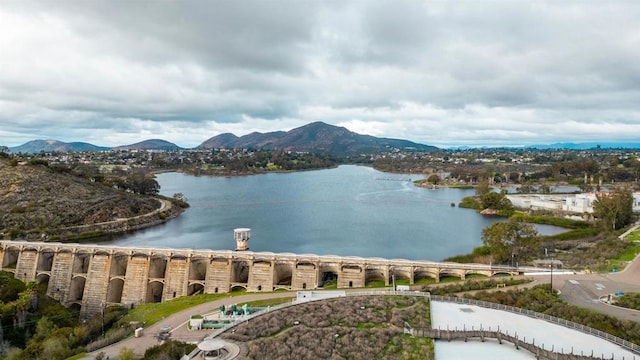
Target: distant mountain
36 146
219 142
152 144
586 146
316 137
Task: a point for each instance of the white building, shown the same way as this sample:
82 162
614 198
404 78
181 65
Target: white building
580 203
576 203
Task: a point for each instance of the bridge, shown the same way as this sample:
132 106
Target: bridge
93 276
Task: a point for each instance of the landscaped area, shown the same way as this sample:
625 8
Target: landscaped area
365 327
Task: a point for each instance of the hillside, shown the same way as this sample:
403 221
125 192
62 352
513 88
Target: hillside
37 202
36 146
152 144
316 137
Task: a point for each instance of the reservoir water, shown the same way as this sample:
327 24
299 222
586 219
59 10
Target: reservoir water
347 211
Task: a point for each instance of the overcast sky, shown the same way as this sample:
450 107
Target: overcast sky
446 73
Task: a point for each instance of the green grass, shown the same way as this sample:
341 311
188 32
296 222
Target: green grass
424 281
634 236
631 250
551 220
77 356
475 276
449 279
575 234
269 302
151 313
375 284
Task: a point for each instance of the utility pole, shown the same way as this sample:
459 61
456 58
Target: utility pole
550 256
102 306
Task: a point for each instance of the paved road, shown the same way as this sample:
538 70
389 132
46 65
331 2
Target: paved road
585 290
177 322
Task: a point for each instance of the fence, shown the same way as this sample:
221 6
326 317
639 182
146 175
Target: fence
539 351
536 315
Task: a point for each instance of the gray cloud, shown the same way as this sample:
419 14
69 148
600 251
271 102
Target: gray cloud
442 73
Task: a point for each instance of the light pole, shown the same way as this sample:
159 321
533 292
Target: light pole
548 254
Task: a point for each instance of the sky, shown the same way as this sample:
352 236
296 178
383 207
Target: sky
443 73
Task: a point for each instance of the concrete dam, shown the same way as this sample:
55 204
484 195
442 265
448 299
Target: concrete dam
93 276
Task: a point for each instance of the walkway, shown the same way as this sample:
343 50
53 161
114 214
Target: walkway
177 322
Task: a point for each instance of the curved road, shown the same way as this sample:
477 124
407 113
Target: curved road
585 290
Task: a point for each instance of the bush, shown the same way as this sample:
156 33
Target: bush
629 301
552 220
473 286
169 350
469 202
36 162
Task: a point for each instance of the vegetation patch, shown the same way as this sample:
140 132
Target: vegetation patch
366 327
552 220
473 286
470 202
629 301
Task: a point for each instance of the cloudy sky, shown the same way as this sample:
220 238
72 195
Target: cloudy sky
442 73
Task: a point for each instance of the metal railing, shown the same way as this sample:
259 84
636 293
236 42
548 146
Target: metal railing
536 315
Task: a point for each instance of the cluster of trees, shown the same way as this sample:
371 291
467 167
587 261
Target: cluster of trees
511 241
137 182
253 162
615 209
486 198
516 240
35 326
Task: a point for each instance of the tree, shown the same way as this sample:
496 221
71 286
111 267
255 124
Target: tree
180 196
482 188
614 209
495 201
433 179
139 183
510 240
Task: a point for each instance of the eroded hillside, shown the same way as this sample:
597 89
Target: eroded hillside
37 202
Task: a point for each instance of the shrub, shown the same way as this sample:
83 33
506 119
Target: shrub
470 202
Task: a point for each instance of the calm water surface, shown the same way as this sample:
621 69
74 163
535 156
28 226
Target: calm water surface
349 211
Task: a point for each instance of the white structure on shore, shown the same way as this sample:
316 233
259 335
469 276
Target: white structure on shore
575 203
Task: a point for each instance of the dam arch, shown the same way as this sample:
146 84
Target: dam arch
89 275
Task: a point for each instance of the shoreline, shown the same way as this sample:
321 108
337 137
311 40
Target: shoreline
89 232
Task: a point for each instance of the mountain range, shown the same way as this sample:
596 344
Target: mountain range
317 137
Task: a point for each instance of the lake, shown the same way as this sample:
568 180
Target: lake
349 211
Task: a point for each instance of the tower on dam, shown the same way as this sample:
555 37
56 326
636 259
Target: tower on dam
89 276
242 235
